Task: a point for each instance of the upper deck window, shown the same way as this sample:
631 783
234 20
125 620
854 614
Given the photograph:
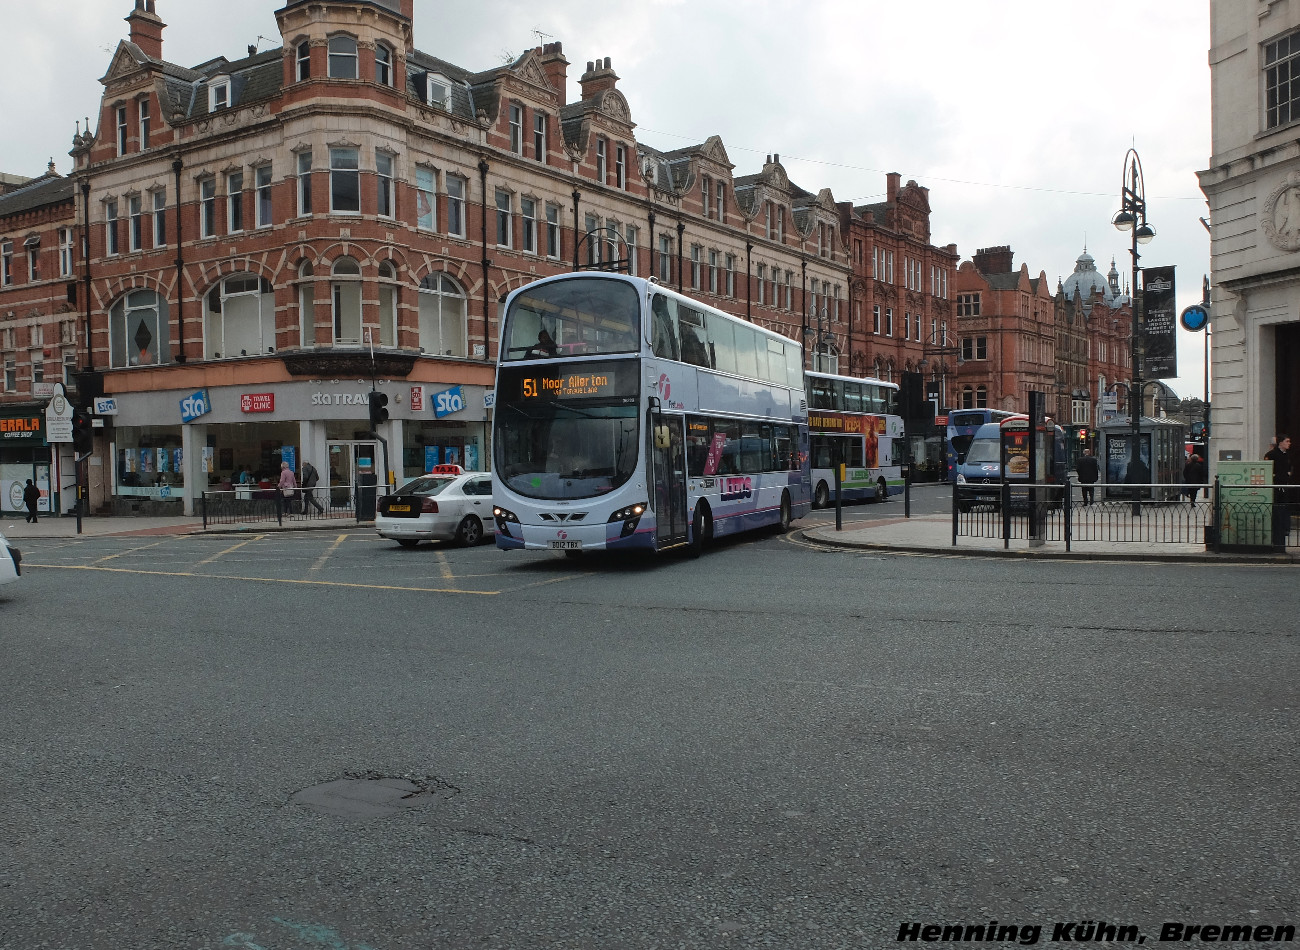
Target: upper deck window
574 317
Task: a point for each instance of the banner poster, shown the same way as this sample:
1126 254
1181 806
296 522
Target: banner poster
208 454
430 457
452 454
289 453
1160 324
177 456
163 458
471 458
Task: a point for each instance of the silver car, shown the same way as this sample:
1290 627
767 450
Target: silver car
440 506
11 562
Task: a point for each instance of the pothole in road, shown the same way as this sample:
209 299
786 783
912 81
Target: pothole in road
374 795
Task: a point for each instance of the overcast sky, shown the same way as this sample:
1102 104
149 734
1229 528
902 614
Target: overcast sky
1016 114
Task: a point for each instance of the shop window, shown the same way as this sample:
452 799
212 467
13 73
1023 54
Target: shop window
442 316
345 298
138 332
239 318
387 304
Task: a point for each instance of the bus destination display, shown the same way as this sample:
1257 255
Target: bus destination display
569 385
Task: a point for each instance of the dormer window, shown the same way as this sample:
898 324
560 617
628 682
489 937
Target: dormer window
439 92
343 57
383 65
219 94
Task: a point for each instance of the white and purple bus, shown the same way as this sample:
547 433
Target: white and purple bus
628 416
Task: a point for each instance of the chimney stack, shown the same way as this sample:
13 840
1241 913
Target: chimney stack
891 186
598 77
556 68
994 260
146 28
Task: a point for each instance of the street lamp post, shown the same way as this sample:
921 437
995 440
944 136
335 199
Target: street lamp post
1132 217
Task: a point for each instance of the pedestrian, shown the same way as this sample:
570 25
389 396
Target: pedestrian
310 479
31 498
286 488
1194 477
1283 474
1280 456
1088 475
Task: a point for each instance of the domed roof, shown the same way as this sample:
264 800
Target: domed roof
1087 280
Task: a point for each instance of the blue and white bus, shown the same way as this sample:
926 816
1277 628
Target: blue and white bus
854 422
628 416
962 426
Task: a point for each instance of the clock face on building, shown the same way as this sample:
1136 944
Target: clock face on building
1281 214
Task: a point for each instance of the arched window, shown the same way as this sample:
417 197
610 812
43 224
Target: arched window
967 398
345 299
240 318
303 55
343 57
442 316
138 334
387 304
879 370
827 358
383 65
889 371
307 304
981 397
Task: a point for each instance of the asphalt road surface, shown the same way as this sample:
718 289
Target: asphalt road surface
322 741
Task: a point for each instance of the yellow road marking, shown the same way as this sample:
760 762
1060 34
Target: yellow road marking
320 561
447 575
221 554
144 547
264 580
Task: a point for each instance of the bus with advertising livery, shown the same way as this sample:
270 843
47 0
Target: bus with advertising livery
854 422
628 416
962 426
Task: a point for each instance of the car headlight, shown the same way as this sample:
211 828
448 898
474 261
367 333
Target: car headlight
961 479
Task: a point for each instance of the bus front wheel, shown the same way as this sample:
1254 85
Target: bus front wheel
822 496
701 528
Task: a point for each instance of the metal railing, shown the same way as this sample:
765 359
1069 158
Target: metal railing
1184 516
254 505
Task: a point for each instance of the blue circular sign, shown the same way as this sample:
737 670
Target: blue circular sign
1195 318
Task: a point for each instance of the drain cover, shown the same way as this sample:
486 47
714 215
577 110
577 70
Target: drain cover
372 796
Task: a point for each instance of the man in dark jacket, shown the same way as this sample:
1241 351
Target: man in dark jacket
31 498
310 479
1194 477
1088 475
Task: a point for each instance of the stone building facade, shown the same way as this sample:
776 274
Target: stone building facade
1253 188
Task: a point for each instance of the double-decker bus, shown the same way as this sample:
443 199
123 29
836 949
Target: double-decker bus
962 426
854 422
628 416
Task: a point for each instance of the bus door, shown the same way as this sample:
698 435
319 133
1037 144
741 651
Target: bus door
668 478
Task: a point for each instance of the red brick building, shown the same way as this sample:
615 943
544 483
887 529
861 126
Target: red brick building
1015 335
259 227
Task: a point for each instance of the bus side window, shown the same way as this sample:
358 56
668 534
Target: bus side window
663 341
690 323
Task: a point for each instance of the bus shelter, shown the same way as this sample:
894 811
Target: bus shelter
1161 458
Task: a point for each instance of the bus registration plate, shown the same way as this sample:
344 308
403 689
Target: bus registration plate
565 545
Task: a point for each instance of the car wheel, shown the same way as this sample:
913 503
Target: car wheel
470 531
822 496
882 492
407 542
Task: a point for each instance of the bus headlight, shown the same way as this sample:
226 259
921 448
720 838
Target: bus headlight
503 518
630 516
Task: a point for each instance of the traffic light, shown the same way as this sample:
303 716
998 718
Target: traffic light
378 409
1083 435
83 435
